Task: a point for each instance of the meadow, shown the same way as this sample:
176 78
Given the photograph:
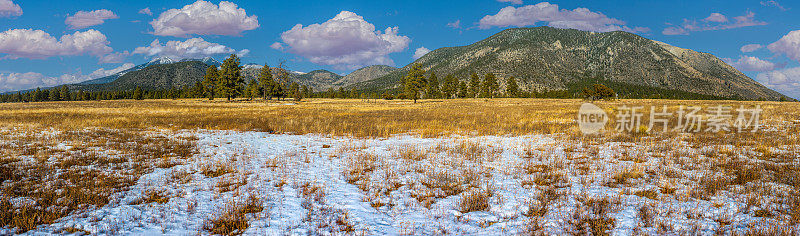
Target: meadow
345 167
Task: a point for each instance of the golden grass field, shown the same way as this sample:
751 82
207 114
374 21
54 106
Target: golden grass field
760 168
357 118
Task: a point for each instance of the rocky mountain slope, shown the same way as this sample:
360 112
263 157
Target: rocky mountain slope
546 59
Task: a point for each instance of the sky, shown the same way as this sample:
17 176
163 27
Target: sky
46 42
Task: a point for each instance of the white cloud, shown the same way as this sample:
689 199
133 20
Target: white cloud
420 52
9 9
32 80
751 47
511 1
786 81
37 44
117 57
773 3
204 18
788 45
748 63
716 17
580 18
83 19
146 11
455 25
191 48
277 46
347 40
100 73
715 21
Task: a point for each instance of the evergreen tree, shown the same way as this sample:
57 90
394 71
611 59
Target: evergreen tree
449 87
253 90
434 91
64 93
512 89
210 82
463 91
54 95
266 81
295 91
137 94
489 87
474 85
230 80
306 91
414 82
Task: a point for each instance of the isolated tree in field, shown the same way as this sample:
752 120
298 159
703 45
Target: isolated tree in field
230 80
414 82
449 86
474 85
266 81
489 87
433 91
138 94
512 89
210 82
599 92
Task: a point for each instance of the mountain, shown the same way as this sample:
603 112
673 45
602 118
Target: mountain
155 76
364 74
547 59
154 61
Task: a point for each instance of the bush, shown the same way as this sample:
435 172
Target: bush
599 92
387 96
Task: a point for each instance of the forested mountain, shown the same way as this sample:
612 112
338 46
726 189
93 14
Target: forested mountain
551 59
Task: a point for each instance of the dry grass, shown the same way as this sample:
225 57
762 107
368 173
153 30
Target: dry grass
233 218
59 181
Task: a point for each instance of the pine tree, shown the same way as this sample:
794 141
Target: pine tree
463 91
253 90
434 91
54 95
449 87
295 91
306 91
65 94
414 82
210 82
137 94
512 89
266 81
489 87
230 80
474 85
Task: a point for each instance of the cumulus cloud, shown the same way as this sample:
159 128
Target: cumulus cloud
511 1
32 80
346 41
748 63
788 45
715 21
580 18
117 57
37 44
716 17
204 18
146 11
455 25
277 46
191 48
100 73
773 3
83 19
751 47
420 52
9 9
786 81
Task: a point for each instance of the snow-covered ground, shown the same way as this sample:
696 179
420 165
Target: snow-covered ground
406 185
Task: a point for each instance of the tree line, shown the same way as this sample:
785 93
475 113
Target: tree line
417 86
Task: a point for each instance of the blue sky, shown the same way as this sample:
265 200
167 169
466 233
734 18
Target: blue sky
340 36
